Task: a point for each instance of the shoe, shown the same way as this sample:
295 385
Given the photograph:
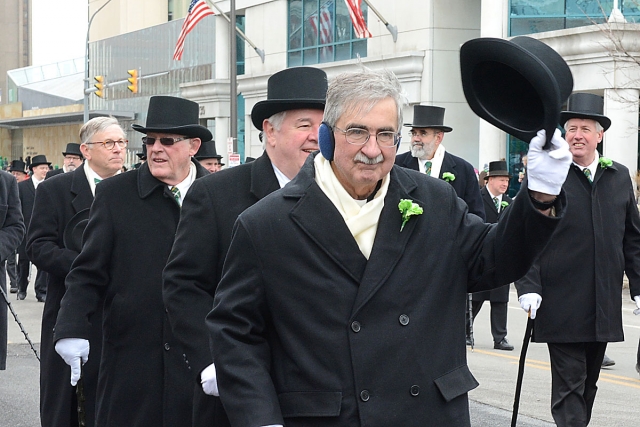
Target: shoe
468 340
607 362
503 345
638 368
22 295
40 298
13 290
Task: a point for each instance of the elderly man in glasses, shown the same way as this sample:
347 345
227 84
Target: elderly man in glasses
145 379
58 204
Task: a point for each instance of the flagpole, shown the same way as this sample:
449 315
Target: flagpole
392 28
233 69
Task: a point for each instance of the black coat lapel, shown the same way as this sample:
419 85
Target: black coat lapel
81 190
263 178
448 165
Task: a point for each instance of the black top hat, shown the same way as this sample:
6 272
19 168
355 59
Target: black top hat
498 168
585 106
73 149
208 151
18 166
72 237
169 114
40 159
291 89
518 86
427 116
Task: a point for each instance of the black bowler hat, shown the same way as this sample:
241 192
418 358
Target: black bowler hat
517 85
169 114
72 237
498 168
585 106
427 116
73 149
18 166
40 159
292 89
208 151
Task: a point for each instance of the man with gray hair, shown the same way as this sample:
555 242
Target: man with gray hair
60 211
320 318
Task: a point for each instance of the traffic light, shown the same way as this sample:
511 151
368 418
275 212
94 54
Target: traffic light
100 86
133 81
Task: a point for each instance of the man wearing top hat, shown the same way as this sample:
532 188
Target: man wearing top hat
428 156
145 379
289 118
61 203
72 160
495 202
573 290
39 167
18 170
209 157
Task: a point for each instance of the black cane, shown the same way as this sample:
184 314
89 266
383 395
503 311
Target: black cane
80 398
523 355
15 316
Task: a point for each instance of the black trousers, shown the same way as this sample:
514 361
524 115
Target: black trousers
575 369
12 270
498 318
40 285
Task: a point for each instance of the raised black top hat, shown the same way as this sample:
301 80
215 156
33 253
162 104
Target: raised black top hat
291 89
585 106
497 168
72 237
427 116
18 166
517 85
208 151
40 159
169 114
73 149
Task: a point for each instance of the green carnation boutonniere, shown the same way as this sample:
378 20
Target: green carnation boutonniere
448 176
408 209
605 162
504 204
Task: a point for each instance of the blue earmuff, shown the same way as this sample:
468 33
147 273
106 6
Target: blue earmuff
326 141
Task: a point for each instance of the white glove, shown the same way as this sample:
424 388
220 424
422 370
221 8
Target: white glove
637 310
530 302
208 380
73 351
547 170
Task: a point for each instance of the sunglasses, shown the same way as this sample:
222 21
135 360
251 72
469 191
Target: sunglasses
149 140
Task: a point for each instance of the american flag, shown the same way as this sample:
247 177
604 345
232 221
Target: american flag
198 9
359 25
324 28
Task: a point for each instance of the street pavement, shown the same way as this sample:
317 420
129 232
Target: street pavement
490 404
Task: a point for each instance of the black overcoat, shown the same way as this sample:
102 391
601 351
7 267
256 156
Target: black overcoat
307 332
195 265
500 294
11 234
465 184
144 378
57 201
27 192
580 274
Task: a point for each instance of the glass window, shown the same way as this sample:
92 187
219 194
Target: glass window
321 31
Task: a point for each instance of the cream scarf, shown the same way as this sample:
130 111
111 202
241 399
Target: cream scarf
361 218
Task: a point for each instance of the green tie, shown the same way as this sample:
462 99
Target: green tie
497 203
96 180
587 173
176 195
427 167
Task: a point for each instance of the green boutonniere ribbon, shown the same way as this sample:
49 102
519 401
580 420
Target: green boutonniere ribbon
408 209
605 162
504 204
448 176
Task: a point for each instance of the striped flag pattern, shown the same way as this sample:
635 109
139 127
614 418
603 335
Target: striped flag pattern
324 28
359 25
198 9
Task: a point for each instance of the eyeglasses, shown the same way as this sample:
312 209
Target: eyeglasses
421 133
358 136
149 140
109 144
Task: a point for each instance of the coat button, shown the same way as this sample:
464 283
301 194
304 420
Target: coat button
167 346
364 395
404 319
355 326
415 390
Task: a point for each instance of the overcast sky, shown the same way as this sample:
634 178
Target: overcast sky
59 30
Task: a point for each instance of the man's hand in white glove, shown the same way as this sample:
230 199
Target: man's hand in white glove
74 351
547 170
209 381
637 300
530 302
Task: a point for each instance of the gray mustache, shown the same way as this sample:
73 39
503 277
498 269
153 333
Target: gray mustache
361 158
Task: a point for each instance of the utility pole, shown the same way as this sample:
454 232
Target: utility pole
85 116
233 71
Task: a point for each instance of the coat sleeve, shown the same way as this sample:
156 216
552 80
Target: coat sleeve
238 328
190 276
13 228
472 193
43 238
631 244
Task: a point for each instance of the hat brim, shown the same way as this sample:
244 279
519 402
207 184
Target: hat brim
38 164
74 229
418 125
265 109
191 131
604 121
